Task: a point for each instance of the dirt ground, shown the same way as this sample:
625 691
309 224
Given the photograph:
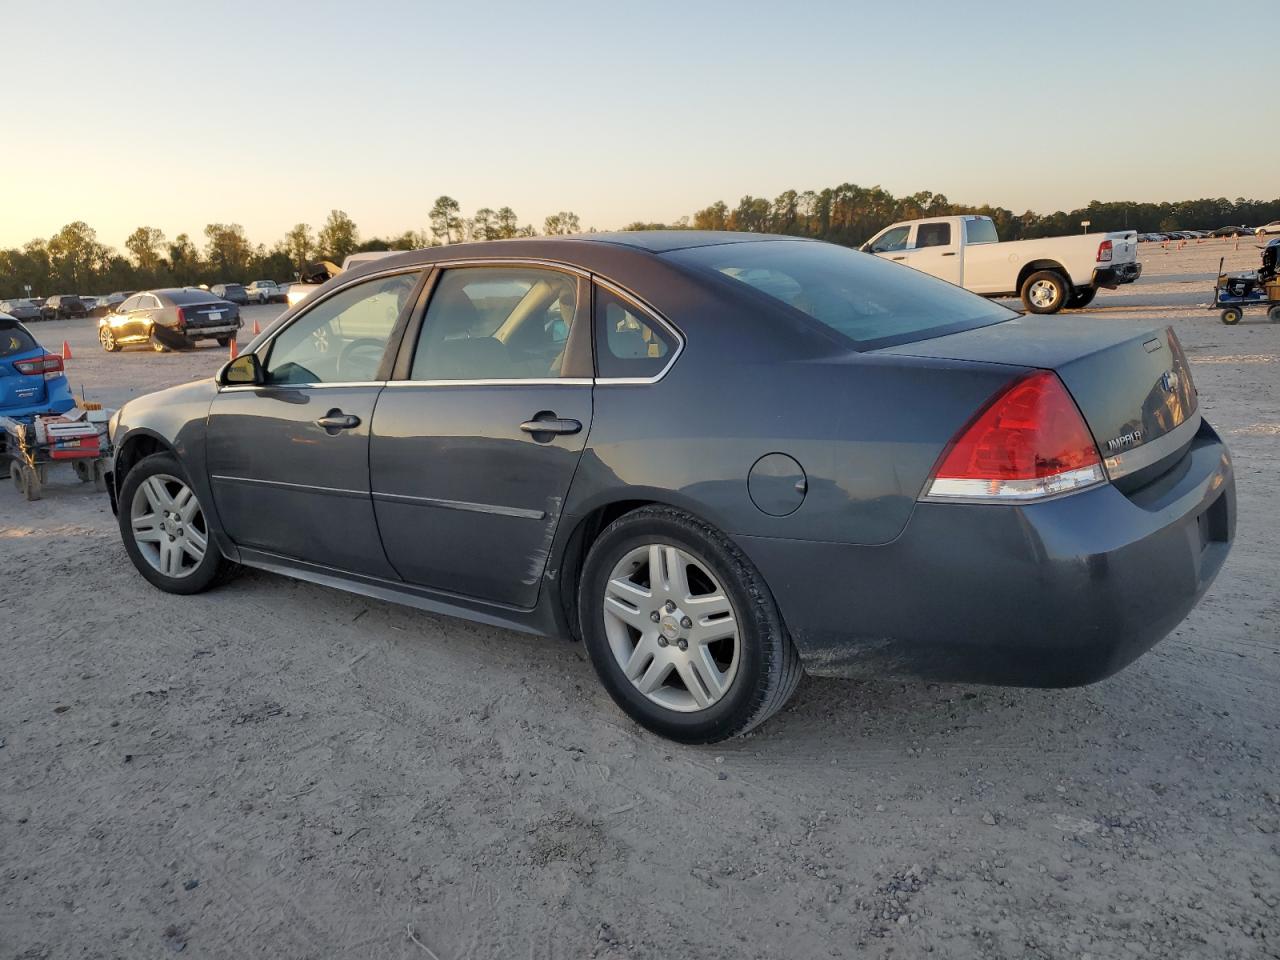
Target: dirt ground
278 770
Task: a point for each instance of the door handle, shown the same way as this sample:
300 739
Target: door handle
336 420
898 258
549 425
951 253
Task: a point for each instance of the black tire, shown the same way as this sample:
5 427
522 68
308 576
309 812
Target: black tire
211 571
1274 314
157 346
1081 297
768 667
1054 280
224 341
1231 316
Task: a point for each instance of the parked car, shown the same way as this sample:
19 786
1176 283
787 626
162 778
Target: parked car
22 309
1232 231
231 292
1048 274
108 303
264 291
62 307
90 303
1266 228
717 458
32 379
169 319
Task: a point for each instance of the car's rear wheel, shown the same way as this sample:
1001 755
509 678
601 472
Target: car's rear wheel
224 341
157 346
165 530
1045 291
107 337
681 628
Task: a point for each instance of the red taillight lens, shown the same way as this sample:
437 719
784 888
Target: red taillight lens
1030 441
50 365
182 317
1104 251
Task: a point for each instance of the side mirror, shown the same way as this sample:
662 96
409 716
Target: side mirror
244 370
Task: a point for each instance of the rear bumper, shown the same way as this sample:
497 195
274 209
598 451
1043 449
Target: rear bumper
1058 593
178 339
1112 277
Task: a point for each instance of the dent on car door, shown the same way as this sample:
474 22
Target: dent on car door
289 459
474 449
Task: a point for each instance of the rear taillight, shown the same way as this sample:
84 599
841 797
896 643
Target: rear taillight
50 365
182 317
1030 441
1104 251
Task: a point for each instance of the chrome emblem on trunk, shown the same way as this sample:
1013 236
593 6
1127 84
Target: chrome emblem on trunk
1131 439
1169 380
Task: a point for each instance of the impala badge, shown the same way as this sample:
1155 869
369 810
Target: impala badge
1131 439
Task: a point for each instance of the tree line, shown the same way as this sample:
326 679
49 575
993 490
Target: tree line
74 261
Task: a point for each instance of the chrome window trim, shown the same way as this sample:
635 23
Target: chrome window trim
241 387
653 314
532 381
1139 458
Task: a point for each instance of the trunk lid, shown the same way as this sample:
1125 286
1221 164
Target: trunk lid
1131 382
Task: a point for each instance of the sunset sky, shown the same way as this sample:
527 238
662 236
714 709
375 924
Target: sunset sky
264 114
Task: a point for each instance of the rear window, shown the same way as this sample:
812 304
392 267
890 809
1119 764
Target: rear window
873 302
190 296
15 340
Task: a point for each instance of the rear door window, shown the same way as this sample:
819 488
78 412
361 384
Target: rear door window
933 235
980 231
497 323
868 300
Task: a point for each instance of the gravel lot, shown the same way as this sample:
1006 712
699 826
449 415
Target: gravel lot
279 770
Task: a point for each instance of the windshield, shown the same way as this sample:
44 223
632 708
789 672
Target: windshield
870 301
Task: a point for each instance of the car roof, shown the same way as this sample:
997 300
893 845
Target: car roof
665 241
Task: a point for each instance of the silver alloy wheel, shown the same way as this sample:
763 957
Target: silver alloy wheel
671 627
1043 293
107 337
168 525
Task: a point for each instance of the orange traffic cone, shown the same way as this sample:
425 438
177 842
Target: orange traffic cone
256 329
235 348
66 350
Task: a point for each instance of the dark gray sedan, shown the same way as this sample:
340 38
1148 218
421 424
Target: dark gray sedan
718 459
175 318
21 309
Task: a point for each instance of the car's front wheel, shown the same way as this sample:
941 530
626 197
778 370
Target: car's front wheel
165 530
681 628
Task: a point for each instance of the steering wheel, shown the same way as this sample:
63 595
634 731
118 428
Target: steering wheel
360 358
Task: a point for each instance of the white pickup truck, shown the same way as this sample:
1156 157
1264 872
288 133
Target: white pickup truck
1047 274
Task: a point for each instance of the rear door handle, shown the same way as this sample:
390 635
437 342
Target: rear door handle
549 424
336 420
950 253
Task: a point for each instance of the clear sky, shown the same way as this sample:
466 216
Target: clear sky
176 114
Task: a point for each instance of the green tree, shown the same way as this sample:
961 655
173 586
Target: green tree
506 224
561 224
74 256
184 262
227 250
338 237
484 225
146 244
714 217
446 221
298 245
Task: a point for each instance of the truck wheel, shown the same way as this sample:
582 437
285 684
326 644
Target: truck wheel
1231 316
1045 291
1082 297
224 341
